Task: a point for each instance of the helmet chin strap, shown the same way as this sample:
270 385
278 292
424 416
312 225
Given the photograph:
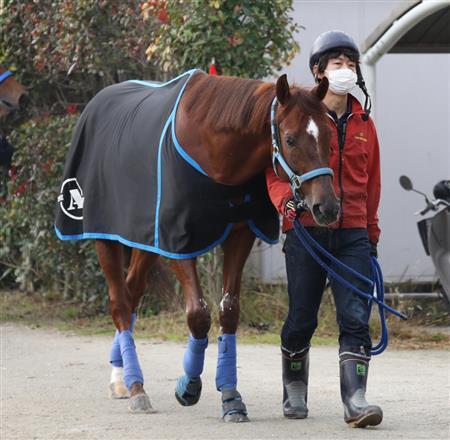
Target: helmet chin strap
277 156
362 85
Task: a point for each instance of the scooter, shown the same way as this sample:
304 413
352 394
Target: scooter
435 232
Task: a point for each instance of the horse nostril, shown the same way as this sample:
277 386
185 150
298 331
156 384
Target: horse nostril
317 211
327 211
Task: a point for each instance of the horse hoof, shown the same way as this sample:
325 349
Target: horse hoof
188 391
233 408
140 404
118 390
236 418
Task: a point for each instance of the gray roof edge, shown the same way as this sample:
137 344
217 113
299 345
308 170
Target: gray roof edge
381 29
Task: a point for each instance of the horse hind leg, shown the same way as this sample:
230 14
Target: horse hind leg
236 250
189 386
136 281
110 256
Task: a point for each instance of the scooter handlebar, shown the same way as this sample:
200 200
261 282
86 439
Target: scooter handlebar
433 206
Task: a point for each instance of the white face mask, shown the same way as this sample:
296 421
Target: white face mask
341 81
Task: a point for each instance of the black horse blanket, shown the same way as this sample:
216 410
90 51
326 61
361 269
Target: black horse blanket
127 178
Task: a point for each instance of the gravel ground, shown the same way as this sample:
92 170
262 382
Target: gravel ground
55 386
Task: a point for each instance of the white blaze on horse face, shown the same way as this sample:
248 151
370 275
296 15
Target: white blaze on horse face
313 129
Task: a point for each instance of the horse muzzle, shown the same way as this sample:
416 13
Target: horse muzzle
20 103
326 212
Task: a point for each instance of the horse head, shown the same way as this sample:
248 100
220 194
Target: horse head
302 145
12 93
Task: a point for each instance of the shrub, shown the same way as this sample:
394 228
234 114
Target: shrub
248 38
30 252
67 50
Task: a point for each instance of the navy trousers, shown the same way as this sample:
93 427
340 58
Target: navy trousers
306 283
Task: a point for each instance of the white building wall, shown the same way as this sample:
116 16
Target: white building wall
413 128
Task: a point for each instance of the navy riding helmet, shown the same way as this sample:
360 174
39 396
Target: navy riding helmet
329 41
333 40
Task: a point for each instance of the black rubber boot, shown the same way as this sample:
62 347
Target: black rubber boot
354 368
295 383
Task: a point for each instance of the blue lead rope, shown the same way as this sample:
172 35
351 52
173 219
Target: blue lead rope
375 285
379 289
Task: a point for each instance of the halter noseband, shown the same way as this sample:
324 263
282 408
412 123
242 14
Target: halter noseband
5 75
296 180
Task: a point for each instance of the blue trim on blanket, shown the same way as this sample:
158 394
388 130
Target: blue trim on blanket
159 177
150 84
144 247
259 234
180 149
171 119
251 224
183 153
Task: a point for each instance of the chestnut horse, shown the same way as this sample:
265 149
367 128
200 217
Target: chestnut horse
224 124
12 93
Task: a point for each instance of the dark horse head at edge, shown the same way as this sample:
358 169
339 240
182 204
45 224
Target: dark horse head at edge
12 93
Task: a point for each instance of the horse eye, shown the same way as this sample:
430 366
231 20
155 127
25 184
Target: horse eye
290 141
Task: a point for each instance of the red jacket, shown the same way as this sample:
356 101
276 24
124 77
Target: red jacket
359 177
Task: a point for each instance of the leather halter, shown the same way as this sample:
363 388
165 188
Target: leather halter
5 75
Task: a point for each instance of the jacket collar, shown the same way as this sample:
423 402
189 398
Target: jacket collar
353 104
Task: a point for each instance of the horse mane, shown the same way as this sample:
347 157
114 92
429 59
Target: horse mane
239 104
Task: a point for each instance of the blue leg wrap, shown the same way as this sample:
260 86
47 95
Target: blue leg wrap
226 375
115 358
194 357
131 370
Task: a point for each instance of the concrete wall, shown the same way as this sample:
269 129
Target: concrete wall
413 127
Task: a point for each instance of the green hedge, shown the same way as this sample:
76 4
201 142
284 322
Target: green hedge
66 51
249 38
30 253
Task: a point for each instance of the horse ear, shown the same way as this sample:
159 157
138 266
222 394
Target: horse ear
321 90
282 90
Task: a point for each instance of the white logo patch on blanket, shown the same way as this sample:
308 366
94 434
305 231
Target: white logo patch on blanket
71 199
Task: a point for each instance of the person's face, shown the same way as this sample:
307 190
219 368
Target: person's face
341 62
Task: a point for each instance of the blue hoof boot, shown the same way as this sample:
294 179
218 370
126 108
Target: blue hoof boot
188 391
233 408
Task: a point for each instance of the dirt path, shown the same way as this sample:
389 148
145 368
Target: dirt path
54 386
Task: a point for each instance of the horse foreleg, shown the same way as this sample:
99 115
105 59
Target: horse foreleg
189 386
136 281
236 250
110 256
